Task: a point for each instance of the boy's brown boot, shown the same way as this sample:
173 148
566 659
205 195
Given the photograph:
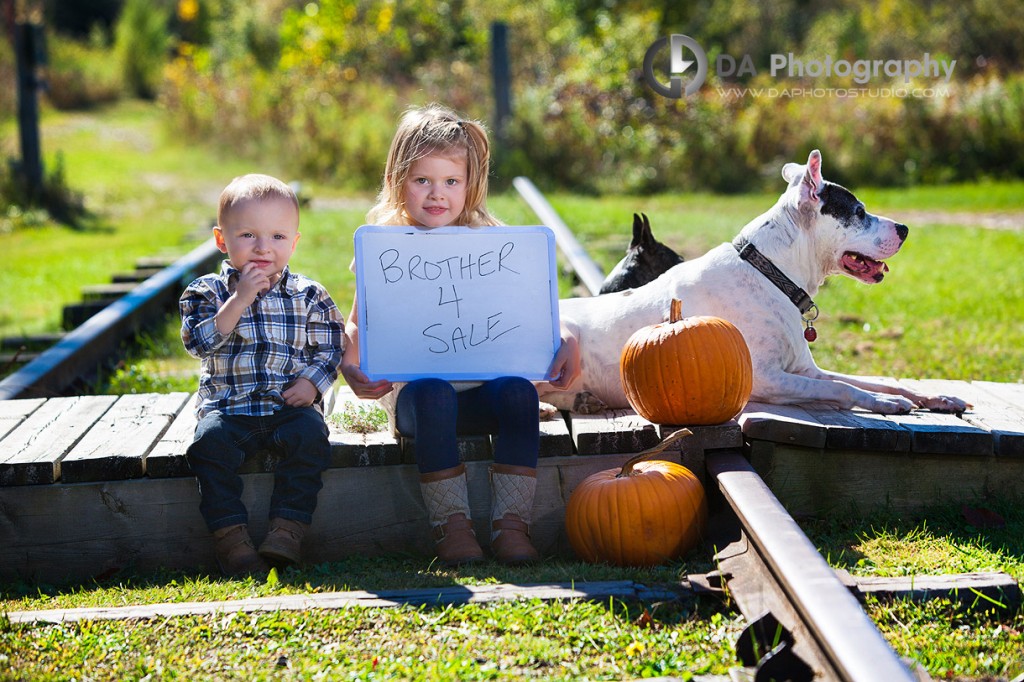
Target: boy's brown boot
447 498
283 543
236 555
512 492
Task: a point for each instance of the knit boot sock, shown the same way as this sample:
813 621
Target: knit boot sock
512 491
446 495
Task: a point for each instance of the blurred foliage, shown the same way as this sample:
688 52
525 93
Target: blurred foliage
140 43
81 73
322 83
328 90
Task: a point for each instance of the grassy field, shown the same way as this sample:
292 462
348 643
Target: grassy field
952 307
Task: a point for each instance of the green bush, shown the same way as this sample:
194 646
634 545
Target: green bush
81 74
141 43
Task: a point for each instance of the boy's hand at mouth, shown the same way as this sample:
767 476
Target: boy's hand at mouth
253 281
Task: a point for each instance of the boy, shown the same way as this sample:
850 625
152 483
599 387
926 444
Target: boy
270 342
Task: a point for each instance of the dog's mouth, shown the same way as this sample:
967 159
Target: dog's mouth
859 266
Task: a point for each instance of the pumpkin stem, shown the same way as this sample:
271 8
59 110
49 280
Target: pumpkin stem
675 310
627 468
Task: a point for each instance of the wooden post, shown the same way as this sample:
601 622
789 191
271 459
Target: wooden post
502 78
30 52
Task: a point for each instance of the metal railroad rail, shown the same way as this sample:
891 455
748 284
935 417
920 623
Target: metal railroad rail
579 260
805 624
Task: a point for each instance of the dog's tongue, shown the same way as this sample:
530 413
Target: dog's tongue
862 267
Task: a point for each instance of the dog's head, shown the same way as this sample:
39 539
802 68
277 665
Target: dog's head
645 260
848 240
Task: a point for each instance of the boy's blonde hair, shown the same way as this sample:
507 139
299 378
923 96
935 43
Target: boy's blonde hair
253 186
435 130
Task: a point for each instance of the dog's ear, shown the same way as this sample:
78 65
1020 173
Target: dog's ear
794 171
638 232
809 180
648 235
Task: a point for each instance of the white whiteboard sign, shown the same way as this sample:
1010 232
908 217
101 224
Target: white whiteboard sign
456 303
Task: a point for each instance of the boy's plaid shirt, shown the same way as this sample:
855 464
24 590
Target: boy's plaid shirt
294 330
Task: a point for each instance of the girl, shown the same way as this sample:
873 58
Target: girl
436 175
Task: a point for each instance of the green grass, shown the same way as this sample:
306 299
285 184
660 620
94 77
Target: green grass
948 640
508 640
517 640
353 573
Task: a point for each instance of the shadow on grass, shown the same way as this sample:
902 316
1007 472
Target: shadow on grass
380 574
981 531
55 198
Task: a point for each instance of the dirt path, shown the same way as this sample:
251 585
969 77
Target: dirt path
991 220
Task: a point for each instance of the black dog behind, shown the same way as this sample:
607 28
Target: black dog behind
645 259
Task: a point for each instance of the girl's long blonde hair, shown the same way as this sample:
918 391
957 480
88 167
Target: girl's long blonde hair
435 130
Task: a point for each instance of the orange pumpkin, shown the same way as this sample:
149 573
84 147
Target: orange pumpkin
643 514
691 371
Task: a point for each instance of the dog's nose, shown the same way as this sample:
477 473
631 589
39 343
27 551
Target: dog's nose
902 231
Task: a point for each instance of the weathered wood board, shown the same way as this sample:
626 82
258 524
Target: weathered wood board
816 481
167 458
32 453
612 431
600 590
13 412
940 433
782 424
991 409
152 523
859 429
115 447
970 590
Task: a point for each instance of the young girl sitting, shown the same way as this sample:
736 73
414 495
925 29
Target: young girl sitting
436 175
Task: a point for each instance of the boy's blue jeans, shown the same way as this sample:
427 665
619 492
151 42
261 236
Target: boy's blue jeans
222 442
431 411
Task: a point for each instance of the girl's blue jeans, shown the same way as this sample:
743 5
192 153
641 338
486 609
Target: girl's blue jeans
432 412
222 442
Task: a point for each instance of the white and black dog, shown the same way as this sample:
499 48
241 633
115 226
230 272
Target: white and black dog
763 283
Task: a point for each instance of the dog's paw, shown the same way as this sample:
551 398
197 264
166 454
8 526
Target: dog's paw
588 403
548 412
892 404
944 403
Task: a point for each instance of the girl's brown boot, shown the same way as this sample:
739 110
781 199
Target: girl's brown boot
446 495
512 491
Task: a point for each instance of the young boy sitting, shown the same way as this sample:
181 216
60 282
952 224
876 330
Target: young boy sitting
270 342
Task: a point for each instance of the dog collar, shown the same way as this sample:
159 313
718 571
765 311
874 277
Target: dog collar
808 311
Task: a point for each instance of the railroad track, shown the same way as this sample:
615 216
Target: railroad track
804 623
96 342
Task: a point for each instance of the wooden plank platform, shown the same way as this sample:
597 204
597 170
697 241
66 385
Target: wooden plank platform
818 459
116 466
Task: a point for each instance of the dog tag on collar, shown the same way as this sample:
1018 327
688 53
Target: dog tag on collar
810 333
